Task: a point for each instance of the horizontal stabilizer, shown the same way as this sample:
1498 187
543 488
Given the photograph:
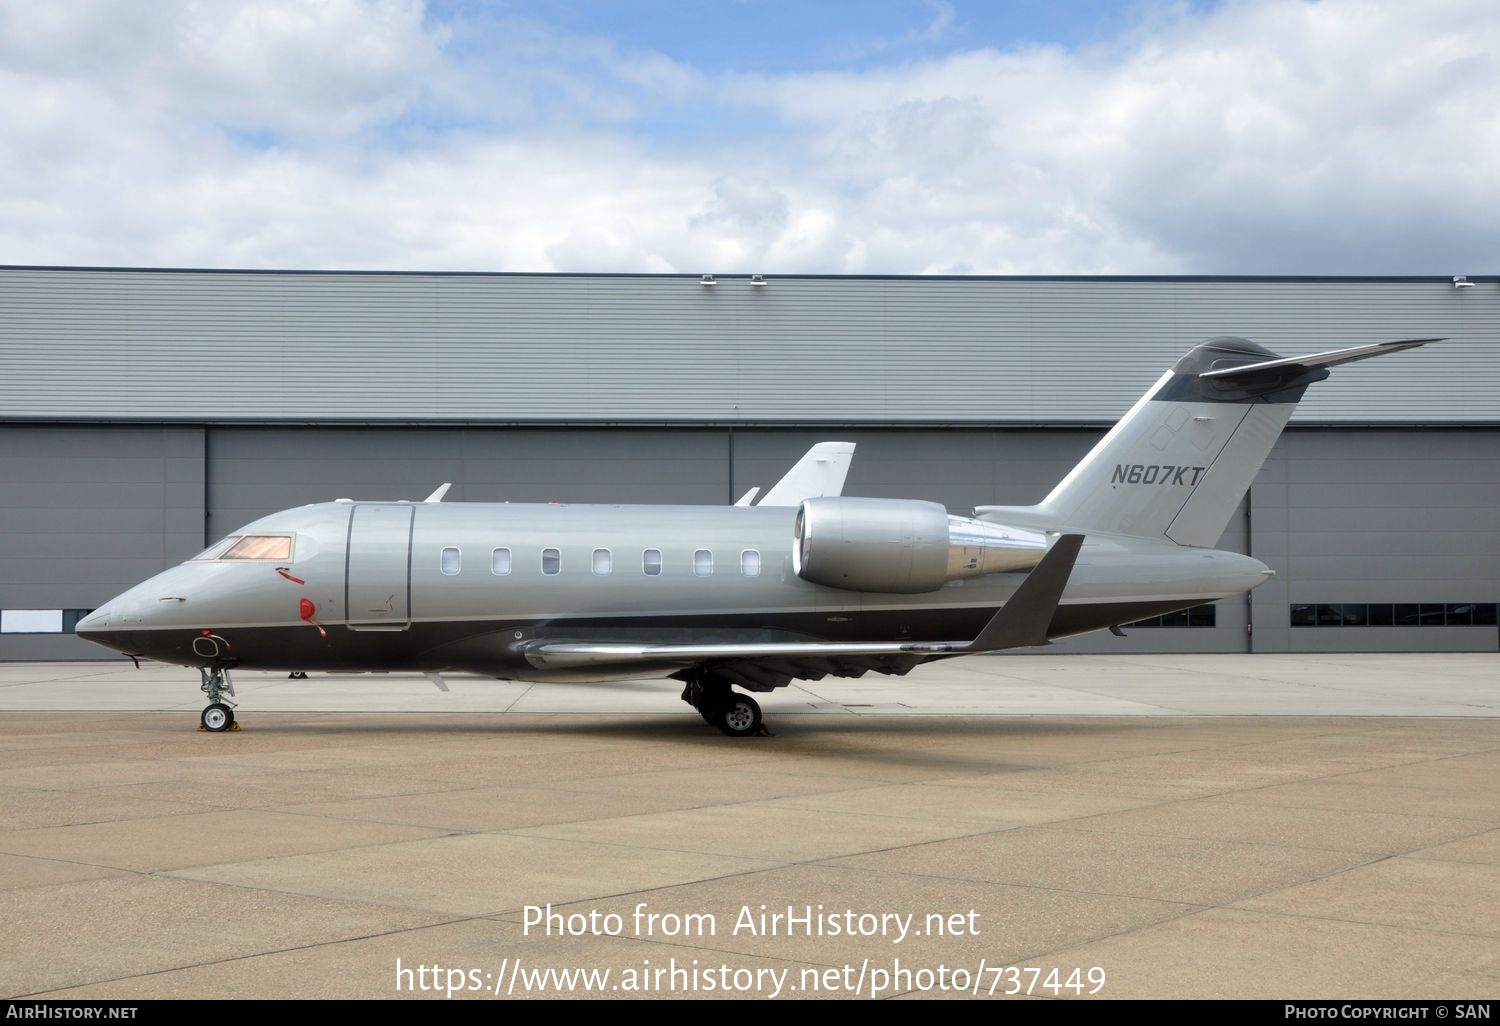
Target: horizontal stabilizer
1332 358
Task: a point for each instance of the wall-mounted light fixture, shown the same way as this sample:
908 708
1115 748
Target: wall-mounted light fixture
1460 282
707 280
757 279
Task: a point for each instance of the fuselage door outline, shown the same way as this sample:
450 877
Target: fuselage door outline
377 567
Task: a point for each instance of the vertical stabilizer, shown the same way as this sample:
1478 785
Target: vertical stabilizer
1179 462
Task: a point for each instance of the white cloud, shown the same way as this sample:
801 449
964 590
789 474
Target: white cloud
1265 137
279 66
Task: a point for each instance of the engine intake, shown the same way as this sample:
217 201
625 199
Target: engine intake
903 546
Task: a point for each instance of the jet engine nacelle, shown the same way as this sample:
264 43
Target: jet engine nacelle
903 546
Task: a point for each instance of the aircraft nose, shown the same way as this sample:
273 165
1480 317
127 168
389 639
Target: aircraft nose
102 627
96 622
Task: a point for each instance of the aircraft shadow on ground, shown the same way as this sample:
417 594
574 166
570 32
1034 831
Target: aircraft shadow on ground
912 742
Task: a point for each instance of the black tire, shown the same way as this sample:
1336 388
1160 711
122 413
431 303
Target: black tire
738 716
217 718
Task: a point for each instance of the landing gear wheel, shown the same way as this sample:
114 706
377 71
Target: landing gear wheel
721 706
738 716
217 718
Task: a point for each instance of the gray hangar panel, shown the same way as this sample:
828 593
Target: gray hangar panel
256 471
1383 517
87 509
295 387
216 346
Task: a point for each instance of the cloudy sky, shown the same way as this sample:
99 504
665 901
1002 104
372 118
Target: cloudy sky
780 136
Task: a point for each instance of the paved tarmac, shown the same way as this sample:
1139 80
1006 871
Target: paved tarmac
1178 826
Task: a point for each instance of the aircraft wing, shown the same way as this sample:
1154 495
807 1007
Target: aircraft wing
1331 358
821 471
561 655
1020 622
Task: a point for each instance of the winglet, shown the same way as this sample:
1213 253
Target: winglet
1025 618
442 490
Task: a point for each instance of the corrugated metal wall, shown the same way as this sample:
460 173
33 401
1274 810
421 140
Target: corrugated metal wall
89 511
1374 516
205 346
1345 515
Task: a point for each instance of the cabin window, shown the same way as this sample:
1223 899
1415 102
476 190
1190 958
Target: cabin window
651 562
601 562
551 562
703 563
451 561
261 546
750 562
500 562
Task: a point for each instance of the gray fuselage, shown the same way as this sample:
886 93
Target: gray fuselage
467 586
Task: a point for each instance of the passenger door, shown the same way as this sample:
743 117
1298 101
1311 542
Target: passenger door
378 580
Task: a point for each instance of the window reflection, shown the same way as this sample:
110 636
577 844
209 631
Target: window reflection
261 546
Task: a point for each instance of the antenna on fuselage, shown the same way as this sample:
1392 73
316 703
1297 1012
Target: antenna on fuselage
442 490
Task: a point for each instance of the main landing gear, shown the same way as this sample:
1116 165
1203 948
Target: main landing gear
219 716
720 706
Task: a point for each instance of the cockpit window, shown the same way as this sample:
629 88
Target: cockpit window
261 546
216 550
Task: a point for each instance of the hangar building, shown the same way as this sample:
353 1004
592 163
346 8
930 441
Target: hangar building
145 413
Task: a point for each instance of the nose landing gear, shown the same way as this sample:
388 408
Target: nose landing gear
219 716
